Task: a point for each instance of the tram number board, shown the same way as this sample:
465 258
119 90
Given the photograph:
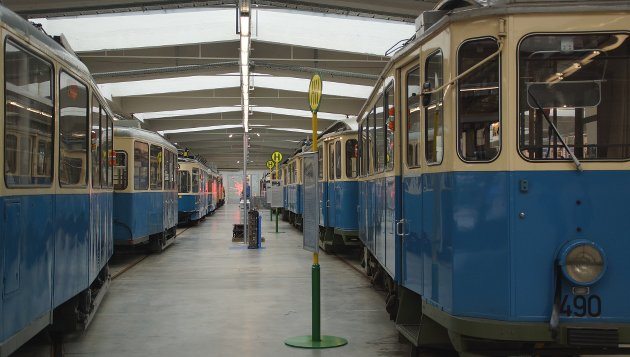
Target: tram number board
581 306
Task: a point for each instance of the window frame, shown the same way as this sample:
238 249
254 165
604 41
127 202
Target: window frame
408 68
518 101
135 174
425 111
53 85
86 131
348 159
153 186
388 165
338 160
360 150
126 170
188 181
457 106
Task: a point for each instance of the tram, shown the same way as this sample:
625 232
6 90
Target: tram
494 158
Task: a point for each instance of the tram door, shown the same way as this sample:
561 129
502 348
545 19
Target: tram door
409 228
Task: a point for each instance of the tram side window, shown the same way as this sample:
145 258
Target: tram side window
155 167
351 158
120 170
360 150
28 118
338 159
168 169
104 149
371 138
110 152
390 116
95 134
195 180
73 121
413 117
184 181
434 112
478 101
320 161
141 166
379 126
579 82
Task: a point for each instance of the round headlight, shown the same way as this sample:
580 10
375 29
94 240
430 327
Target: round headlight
583 263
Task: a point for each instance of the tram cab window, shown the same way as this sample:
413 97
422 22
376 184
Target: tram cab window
390 116
28 118
413 116
141 166
478 99
360 150
195 180
320 161
73 121
331 161
579 82
351 158
184 181
104 148
434 112
155 167
169 177
120 170
371 137
338 159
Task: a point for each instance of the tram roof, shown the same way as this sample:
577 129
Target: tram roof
142 134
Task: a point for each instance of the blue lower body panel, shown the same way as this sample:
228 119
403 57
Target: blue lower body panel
141 214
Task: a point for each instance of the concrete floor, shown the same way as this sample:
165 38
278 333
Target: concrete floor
207 296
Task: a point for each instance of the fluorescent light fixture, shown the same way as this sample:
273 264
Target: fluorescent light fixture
229 136
257 134
185 112
295 130
245 25
200 128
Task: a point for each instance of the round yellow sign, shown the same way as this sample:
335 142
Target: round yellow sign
315 92
276 156
270 164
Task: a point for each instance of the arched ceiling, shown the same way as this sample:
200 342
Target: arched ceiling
175 68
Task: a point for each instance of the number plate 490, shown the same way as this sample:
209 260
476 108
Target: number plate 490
581 306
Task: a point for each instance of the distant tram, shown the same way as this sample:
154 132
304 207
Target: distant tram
493 171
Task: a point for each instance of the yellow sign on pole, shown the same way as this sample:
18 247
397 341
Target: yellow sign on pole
270 164
315 92
276 156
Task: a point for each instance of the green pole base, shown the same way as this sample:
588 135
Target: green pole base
307 342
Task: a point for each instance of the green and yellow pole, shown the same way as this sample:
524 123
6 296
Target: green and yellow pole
316 340
276 207
269 192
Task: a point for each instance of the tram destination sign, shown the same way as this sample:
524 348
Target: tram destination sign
310 216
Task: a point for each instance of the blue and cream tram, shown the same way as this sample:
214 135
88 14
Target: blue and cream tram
193 195
56 191
145 189
338 189
494 161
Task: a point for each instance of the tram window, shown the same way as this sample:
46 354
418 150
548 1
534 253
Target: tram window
141 166
390 126
28 118
104 148
351 158
110 151
371 138
184 181
360 150
478 98
338 159
73 121
379 127
155 167
168 178
434 112
95 134
320 161
580 82
120 170
413 117
331 161
195 180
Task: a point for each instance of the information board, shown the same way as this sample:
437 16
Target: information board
310 215
277 200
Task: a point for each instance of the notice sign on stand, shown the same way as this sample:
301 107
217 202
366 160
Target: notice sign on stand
277 200
310 216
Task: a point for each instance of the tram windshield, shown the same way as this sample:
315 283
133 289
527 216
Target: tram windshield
581 82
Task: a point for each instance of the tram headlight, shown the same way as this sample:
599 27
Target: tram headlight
583 262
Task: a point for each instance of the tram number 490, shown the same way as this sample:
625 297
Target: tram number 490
581 306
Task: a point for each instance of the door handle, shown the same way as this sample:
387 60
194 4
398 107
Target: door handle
328 203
